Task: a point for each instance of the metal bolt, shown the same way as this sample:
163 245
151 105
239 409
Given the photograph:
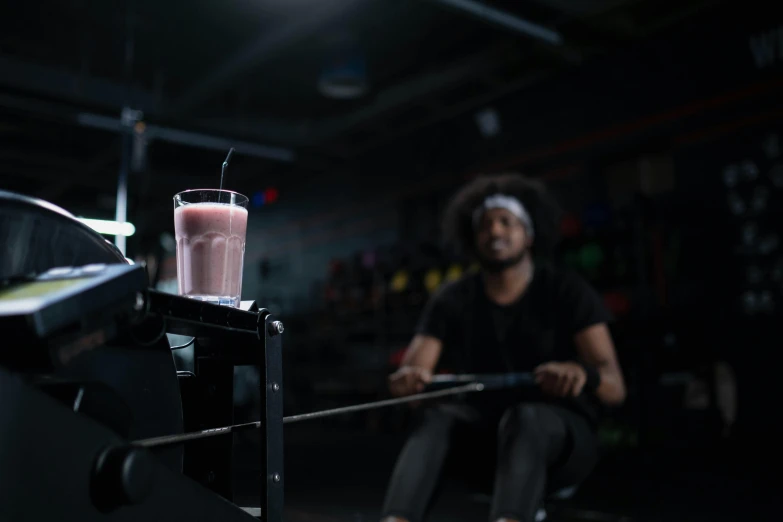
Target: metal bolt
276 477
275 328
275 387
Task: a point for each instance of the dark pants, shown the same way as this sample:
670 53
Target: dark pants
540 447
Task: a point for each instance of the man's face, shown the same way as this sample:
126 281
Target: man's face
501 239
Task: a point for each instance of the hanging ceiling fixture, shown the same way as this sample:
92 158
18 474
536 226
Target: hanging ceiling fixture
344 73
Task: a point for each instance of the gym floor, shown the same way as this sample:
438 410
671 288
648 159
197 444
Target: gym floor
336 475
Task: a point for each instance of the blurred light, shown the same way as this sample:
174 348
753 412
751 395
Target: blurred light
750 170
270 195
264 197
432 280
168 242
488 121
749 302
591 256
736 204
139 149
341 87
129 116
453 273
730 175
399 282
111 228
344 75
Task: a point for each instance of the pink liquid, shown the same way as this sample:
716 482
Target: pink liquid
210 251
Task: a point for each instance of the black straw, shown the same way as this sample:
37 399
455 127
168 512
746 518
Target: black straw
225 166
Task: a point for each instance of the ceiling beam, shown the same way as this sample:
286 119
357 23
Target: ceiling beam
500 18
190 139
101 94
153 132
75 88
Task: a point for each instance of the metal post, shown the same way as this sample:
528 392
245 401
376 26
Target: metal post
121 213
128 119
271 432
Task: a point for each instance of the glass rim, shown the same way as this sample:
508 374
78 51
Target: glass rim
178 194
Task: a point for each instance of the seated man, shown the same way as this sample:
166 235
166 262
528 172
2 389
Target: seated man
514 315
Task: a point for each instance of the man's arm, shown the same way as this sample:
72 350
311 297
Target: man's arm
423 352
422 356
585 316
596 348
417 366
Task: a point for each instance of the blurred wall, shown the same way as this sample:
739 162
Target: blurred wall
326 218
701 74
670 95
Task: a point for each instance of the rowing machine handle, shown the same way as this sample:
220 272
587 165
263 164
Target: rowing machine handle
493 381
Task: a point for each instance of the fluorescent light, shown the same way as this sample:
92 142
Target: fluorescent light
111 228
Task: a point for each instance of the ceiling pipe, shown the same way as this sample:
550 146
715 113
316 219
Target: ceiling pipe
504 19
192 139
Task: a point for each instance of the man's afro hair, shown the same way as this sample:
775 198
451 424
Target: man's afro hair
458 218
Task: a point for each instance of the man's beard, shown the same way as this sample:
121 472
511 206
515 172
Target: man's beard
495 266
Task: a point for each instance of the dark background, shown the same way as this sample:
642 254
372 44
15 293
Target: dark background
657 125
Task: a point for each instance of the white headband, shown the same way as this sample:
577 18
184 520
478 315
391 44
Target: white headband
509 203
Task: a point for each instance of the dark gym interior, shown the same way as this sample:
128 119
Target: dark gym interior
656 124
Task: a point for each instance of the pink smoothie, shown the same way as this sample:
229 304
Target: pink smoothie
210 251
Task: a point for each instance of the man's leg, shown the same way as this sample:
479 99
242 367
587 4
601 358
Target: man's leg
531 439
418 467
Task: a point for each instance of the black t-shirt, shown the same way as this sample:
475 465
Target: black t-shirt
480 336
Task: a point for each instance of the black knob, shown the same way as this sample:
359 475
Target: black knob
123 475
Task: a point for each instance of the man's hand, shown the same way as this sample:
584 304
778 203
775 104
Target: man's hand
561 379
409 380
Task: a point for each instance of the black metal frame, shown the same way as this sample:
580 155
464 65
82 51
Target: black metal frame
64 455
227 337
49 469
